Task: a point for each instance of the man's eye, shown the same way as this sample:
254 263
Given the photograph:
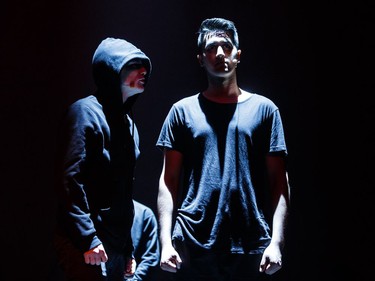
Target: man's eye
212 48
135 66
227 47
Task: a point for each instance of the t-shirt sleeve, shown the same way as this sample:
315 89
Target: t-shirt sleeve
277 140
171 130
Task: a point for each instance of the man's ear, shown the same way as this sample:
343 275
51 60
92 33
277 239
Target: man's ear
238 56
200 61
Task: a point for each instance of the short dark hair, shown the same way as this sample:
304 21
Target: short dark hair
217 26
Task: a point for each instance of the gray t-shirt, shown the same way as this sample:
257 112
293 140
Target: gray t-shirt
224 201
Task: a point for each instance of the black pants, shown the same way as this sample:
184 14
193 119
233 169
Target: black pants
201 265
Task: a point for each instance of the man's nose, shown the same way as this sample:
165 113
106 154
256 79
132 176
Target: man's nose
219 52
143 71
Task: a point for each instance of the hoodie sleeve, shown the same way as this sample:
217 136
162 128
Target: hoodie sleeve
78 132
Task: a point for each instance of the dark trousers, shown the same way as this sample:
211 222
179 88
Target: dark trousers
201 265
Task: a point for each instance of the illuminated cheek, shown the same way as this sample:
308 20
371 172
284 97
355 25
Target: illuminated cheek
131 79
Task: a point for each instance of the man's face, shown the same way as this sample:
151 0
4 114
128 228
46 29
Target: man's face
219 56
132 79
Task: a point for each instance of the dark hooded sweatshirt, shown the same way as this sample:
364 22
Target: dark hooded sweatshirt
99 148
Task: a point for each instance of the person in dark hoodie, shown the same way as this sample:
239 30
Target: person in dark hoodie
95 172
145 235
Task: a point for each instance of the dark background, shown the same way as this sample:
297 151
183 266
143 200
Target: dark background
313 60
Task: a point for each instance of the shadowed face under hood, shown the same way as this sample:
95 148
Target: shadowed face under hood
109 58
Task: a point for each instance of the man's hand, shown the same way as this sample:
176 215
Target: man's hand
170 260
130 268
96 255
271 260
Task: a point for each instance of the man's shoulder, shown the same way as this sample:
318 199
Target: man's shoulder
261 100
87 101
85 107
141 207
187 100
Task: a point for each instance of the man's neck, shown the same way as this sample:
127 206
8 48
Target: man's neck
223 93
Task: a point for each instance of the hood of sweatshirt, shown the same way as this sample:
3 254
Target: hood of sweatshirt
109 58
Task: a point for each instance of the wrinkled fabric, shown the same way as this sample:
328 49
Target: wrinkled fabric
224 204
